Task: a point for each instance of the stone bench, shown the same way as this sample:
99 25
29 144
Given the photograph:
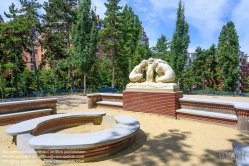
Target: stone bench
217 111
16 111
47 123
21 116
85 146
219 117
105 100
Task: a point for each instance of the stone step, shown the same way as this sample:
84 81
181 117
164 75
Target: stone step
112 104
208 114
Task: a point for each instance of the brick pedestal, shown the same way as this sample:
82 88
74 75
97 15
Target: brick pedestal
164 103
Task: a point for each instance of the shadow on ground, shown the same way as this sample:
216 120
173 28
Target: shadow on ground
156 150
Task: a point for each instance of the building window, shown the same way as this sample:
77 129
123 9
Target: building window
32 67
97 55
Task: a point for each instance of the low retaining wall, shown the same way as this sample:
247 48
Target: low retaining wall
28 105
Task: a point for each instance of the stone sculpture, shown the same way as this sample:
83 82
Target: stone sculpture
150 70
165 73
136 74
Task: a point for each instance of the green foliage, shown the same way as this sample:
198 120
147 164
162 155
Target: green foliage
85 38
30 17
99 75
59 19
129 36
202 72
228 57
110 34
161 50
179 43
142 52
12 44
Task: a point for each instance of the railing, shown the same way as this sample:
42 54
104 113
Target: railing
43 93
210 92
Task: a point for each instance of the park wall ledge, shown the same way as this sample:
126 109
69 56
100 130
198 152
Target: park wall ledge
237 105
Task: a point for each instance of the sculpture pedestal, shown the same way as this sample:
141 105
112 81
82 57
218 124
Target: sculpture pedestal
153 87
164 103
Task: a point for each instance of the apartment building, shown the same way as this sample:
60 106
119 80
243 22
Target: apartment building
244 73
1 19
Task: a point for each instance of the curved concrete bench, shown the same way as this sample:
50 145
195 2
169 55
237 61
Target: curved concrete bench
46 123
85 146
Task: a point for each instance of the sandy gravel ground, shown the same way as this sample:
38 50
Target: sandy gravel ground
160 141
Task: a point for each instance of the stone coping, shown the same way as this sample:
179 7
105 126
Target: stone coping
26 101
237 105
126 126
29 125
242 154
208 114
26 112
116 103
105 94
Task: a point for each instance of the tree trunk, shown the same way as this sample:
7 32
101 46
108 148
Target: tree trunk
84 92
69 58
16 83
34 63
113 72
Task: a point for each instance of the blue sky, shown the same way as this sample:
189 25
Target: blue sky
205 18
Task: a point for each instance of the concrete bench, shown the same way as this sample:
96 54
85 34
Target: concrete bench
215 117
30 126
87 146
208 114
20 116
239 109
110 100
21 109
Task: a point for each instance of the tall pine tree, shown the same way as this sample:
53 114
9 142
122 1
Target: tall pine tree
85 37
30 16
110 34
59 19
179 43
228 58
161 50
129 36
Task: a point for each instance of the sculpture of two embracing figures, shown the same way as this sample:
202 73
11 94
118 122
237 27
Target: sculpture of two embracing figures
165 73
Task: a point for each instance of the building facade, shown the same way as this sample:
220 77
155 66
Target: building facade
244 73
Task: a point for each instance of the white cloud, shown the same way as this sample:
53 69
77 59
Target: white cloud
240 17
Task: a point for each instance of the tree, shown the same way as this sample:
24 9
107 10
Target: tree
211 72
228 57
161 50
12 45
110 34
129 36
142 52
195 74
59 19
30 16
179 43
85 37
